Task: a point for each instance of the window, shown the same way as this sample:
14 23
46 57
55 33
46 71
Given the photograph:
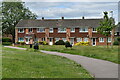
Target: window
30 29
21 30
57 39
43 39
83 30
94 30
85 39
36 39
61 29
101 39
64 39
72 29
109 39
51 30
40 30
79 39
20 39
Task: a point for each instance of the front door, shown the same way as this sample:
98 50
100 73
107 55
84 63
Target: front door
27 40
72 41
94 41
51 41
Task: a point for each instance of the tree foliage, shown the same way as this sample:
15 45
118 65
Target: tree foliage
106 25
12 13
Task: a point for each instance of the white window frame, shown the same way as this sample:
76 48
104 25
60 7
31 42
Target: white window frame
72 29
94 30
101 39
20 31
79 39
60 30
57 39
85 39
19 39
83 29
109 39
50 30
43 39
30 29
64 39
38 30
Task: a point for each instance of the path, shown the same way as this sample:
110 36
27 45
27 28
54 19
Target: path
98 68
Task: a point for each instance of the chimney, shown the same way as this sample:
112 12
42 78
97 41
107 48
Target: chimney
83 17
62 17
42 18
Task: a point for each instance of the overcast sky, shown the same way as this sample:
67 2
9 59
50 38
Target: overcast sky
75 10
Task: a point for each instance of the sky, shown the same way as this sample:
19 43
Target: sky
73 10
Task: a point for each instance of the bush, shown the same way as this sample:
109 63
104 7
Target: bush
116 43
6 40
43 43
60 42
18 42
118 38
82 43
22 43
67 43
6 43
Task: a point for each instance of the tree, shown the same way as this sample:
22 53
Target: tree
106 26
12 13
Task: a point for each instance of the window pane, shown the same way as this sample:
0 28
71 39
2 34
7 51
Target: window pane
79 39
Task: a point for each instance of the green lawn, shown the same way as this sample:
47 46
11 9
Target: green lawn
99 52
30 64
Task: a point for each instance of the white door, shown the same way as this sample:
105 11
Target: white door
51 41
94 41
27 40
72 41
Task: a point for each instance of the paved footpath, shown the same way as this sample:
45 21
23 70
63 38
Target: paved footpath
98 68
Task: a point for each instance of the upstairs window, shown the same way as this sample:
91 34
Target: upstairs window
79 39
101 39
30 29
61 29
72 29
40 29
21 30
51 30
83 30
94 30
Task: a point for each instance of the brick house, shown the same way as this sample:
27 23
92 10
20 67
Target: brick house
52 30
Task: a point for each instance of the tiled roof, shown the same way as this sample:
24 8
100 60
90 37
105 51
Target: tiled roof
60 23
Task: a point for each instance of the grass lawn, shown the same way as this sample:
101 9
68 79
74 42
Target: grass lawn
98 52
30 64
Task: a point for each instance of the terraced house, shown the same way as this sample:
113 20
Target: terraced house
52 30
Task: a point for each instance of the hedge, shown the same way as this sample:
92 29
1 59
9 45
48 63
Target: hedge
6 43
60 42
6 40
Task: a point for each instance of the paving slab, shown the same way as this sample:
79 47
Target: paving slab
98 68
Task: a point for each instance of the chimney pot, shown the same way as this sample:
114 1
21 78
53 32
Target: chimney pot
83 17
62 17
42 18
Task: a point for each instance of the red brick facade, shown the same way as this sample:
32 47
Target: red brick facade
68 35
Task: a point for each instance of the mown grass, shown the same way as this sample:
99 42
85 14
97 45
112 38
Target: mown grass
30 64
98 52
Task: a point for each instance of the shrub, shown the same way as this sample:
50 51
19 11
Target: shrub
82 43
67 43
43 43
118 38
6 43
60 42
6 40
22 43
116 43
18 42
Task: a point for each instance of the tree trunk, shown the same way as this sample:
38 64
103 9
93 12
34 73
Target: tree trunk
107 41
